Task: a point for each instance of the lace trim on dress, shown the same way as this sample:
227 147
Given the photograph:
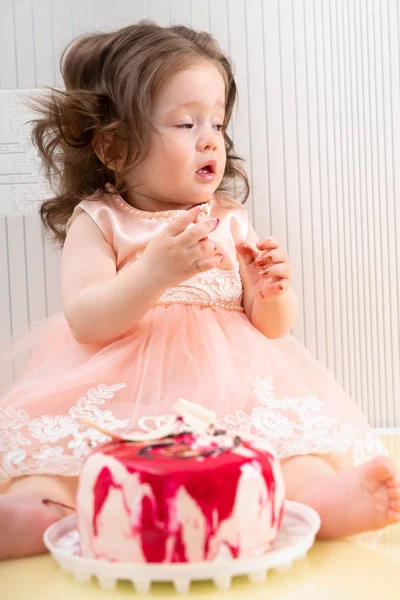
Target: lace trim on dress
307 432
16 429
217 287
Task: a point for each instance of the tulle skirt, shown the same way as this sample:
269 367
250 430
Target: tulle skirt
215 357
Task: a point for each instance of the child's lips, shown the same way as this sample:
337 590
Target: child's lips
205 175
208 171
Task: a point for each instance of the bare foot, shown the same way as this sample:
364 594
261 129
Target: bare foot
23 520
362 499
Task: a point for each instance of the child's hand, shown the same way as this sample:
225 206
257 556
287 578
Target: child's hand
268 267
180 251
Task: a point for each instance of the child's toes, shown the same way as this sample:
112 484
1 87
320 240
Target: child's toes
393 482
394 493
393 516
394 505
394 501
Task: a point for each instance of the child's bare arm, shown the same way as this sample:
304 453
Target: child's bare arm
269 301
98 304
101 305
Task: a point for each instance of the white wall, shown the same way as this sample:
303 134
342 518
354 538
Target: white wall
319 126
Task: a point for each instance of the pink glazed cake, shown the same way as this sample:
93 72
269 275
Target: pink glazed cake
181 498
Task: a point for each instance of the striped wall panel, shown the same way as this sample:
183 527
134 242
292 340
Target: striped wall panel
318 124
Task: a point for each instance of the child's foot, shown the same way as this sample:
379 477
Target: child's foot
362 499
23 521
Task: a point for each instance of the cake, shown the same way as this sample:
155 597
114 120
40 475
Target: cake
181 494
205 211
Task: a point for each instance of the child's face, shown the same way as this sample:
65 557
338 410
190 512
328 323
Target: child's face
188 113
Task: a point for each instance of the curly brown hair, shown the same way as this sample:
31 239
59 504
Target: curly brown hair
110 80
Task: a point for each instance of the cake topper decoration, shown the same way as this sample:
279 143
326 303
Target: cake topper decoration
191 418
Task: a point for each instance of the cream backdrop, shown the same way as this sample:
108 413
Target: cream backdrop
318 124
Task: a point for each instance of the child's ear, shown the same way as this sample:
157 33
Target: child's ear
107 151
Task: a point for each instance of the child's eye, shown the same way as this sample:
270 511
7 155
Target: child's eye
219 127
185 126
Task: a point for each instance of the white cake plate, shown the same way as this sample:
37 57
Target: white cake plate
300 525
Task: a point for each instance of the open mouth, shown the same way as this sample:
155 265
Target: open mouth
209 168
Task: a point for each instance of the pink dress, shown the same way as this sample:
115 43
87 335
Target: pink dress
196 343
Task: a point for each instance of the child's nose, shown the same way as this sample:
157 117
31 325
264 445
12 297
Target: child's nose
208 141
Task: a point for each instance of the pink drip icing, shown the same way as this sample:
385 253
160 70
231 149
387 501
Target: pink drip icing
154 533
101 490
234 550
179 552
165 474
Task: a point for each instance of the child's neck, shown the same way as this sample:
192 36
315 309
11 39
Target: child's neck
149 204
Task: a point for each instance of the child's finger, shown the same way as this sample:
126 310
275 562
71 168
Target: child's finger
280 286
274 288
209 263
193 235
179 224
271 257
281 270
248 254
204 249
268 244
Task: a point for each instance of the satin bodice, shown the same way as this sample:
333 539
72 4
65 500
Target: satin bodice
129 230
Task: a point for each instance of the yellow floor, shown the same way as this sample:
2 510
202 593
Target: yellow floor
331 571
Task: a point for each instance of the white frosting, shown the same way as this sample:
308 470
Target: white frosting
190 515
248 527
195 418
